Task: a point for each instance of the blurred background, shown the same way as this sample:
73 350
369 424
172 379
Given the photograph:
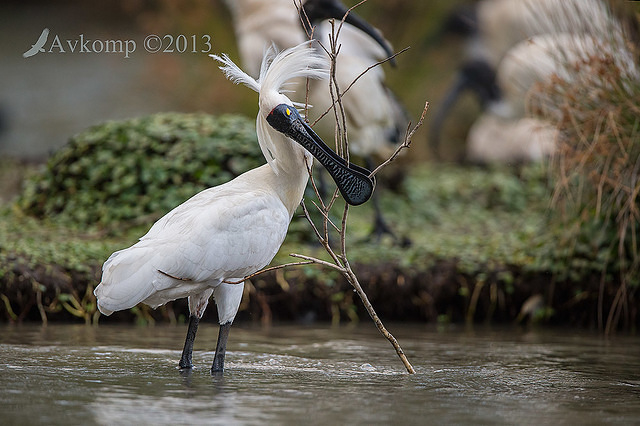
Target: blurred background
472 228
48 97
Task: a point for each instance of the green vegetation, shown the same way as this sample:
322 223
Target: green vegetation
101 192
127 171
481 244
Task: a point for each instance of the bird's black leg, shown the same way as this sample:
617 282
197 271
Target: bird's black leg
187 352
221 348
322 185
380 227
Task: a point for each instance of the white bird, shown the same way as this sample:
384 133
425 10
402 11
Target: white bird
260 23
493 27
502 74
494 139
505 132
230 231
375 119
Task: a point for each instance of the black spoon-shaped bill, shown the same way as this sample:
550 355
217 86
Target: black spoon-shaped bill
353 181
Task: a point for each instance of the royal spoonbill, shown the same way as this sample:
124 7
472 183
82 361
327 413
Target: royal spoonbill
230 231
375 119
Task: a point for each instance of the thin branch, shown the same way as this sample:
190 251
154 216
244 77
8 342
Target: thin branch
311 259
262 271
175 278
370 67
372 313
406 143
326 217
340 261
311 178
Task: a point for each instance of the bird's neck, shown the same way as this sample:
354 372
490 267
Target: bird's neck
293 176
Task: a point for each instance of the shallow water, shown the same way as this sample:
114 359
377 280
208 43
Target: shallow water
72 374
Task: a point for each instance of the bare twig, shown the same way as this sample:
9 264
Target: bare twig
406 143
262 271
370 67
340 260
312 259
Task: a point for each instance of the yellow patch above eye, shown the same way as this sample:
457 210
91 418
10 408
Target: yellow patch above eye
288 111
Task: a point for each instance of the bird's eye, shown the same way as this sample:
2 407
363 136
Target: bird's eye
280 117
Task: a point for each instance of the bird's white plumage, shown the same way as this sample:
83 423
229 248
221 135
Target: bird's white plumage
369 105
226 232
259 24
529 42
373 114
497 139
504 23
231 230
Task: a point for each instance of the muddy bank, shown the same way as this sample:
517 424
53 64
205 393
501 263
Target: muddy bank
482 248
438 294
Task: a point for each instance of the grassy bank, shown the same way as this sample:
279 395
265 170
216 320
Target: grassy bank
477 253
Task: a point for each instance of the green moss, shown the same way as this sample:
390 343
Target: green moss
41 243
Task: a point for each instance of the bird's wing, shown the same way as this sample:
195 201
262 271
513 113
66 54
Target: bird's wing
226 231
221 234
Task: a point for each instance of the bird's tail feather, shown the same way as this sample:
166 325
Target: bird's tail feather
127 279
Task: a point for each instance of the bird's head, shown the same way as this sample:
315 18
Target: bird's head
277 116
354 182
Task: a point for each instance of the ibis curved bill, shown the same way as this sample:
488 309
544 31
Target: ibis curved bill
230 231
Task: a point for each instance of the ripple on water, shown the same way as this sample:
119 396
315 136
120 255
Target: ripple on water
316 376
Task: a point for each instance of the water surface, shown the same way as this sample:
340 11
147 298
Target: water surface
72 374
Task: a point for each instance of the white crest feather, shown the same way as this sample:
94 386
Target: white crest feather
301 61
235 74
